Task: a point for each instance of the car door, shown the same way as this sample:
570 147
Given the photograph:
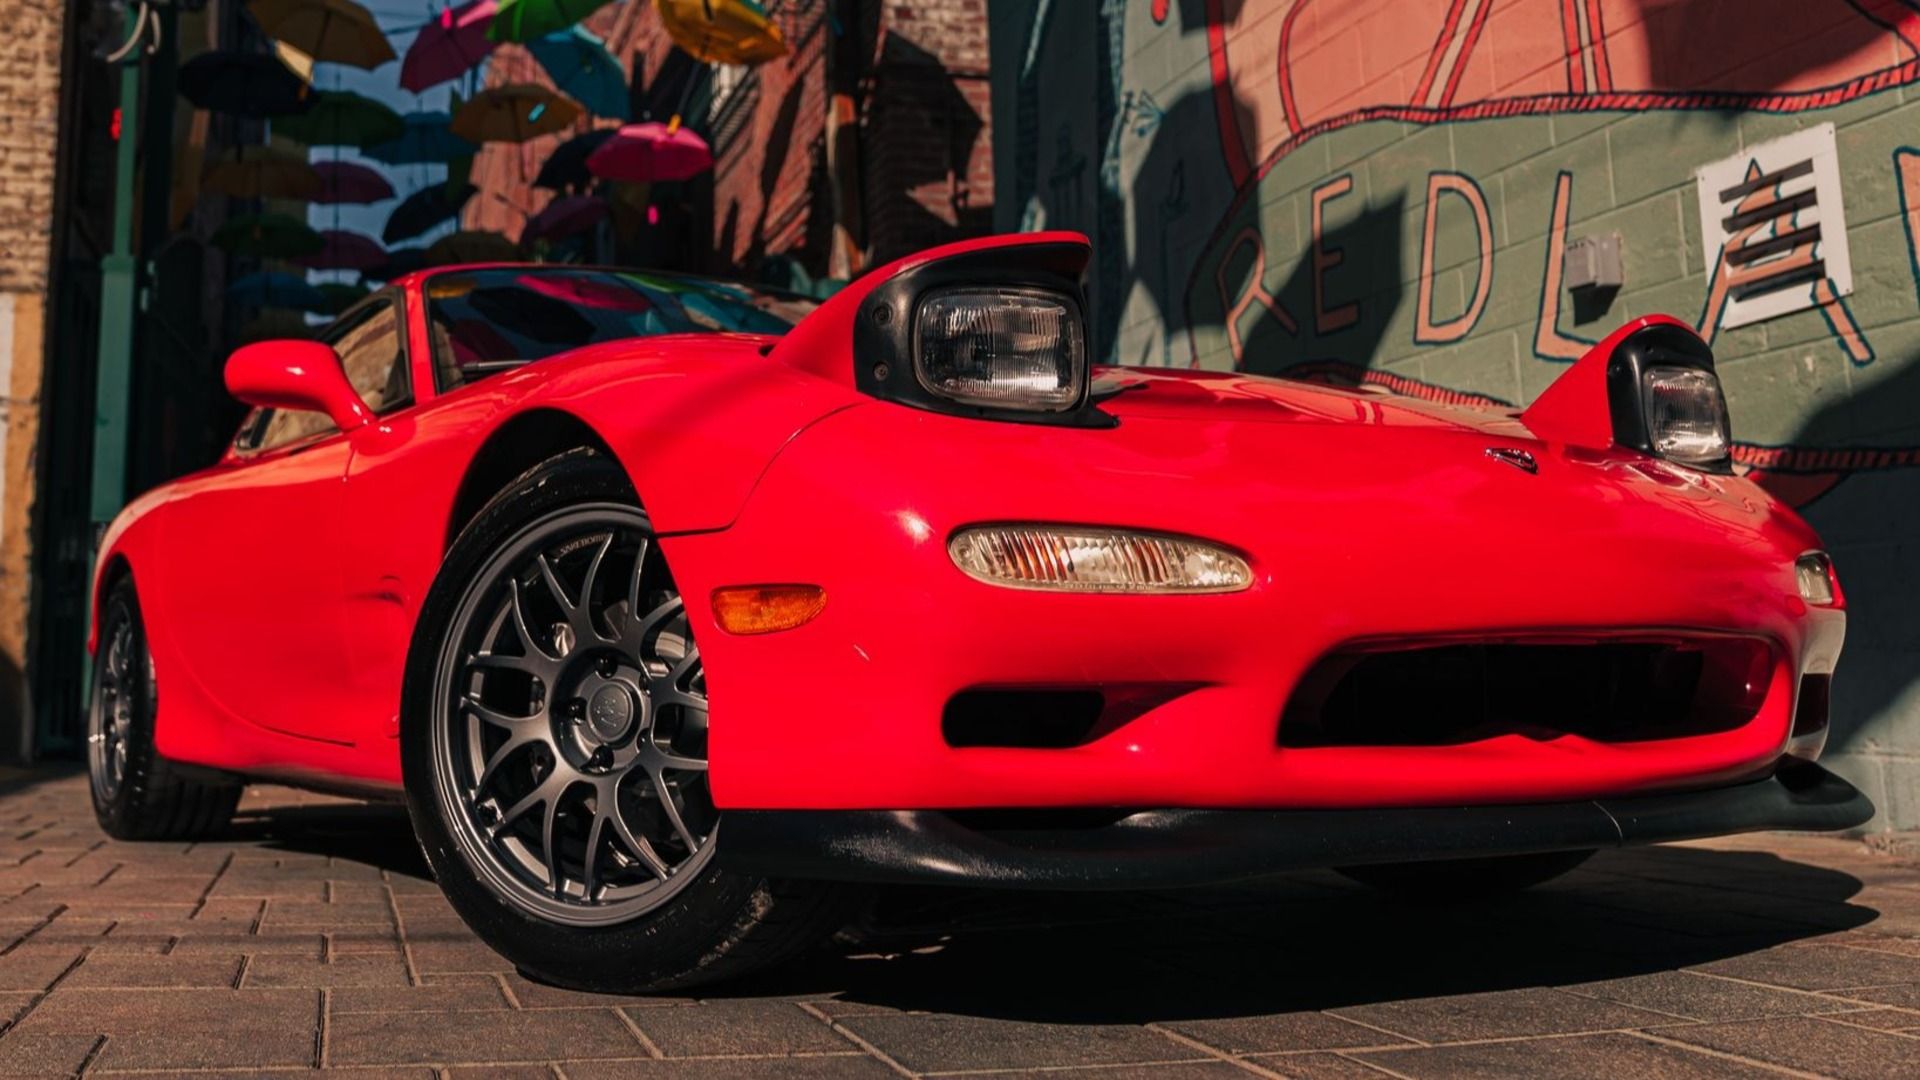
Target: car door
253 573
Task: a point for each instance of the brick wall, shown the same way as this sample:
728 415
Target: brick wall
29 125
1384 188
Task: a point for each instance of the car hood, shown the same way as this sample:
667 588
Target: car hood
1163 393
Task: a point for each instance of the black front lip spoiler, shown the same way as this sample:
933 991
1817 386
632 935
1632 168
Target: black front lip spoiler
1165 848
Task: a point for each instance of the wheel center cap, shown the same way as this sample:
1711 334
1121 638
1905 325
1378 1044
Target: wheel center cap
610 713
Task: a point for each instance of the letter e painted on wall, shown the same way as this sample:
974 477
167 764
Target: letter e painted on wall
1325 319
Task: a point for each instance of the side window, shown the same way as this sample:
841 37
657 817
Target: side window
371 355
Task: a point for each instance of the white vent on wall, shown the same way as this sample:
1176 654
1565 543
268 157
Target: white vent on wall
1773 214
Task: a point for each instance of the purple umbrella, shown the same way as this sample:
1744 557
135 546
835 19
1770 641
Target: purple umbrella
449 46
349 183
345 250
563 218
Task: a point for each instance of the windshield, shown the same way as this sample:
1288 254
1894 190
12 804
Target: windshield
484 321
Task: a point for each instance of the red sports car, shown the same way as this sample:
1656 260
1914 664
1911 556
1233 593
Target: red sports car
672 607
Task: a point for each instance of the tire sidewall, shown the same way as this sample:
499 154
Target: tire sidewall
657 944
116 815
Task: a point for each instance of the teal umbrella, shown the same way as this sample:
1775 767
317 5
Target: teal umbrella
424 138
342 118
582 69
526 20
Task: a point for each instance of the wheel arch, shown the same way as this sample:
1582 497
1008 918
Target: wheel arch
116 567
515 447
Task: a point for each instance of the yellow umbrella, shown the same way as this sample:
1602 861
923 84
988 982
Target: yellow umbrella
262 172
722 31
336 31
513 113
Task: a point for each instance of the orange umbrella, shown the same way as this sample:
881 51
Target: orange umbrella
722 31
513 113
262 172
337 31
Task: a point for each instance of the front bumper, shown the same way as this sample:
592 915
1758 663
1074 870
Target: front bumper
1166 848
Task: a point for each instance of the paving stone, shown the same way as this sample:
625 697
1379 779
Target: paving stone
837 1067
1704 997
1303 1065
453 994
1884 1019
347 970
1500 1014
1578 1058
503 1037
932 1043
112 969
1814 1045
28 1055
31 967
1819 967
455 957
737 1027
1286 1031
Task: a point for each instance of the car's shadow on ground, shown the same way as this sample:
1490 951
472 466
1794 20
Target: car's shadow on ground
1305 942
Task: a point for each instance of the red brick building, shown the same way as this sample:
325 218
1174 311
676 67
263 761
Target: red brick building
914 167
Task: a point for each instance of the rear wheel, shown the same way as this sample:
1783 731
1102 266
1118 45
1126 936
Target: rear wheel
1448 881
137 794
554 748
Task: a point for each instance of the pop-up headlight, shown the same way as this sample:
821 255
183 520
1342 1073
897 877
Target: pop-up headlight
1001 348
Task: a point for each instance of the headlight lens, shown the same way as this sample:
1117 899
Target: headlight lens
1686 415
1814 572
1001 348
1073 558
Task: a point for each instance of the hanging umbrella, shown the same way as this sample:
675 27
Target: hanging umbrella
424 139
449 46
525 20
340 296
562 218
336 31
477 246
296 61
277 325
243 84
582 68
721 31
343 249
276 290
261 172
513 113
424 209
566 167
341 118
345 182
275 236
651 151
400 262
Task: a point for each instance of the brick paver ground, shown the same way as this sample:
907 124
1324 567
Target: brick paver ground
310 939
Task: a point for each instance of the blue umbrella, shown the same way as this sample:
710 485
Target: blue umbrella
425 140
270 289
582 69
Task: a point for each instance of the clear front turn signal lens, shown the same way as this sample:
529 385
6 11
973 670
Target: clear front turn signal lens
1814 572
1076 558
1686 415
764 609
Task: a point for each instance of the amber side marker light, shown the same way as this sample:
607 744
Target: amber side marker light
766 609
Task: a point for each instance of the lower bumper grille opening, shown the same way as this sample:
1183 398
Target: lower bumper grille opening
1030 719
1461 692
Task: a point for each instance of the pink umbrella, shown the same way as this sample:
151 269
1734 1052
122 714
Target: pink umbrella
585 292
651 151
345 250
449 46
563 218
345 182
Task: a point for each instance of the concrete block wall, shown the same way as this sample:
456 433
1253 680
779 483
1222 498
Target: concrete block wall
1382 189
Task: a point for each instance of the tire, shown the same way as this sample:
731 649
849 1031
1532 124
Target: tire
554 751
1449 881
137 794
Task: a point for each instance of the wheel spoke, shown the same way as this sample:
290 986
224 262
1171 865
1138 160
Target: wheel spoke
591 861
491 715
553 583
636 640
551 849
635 844
520 627
533 664
512 746
544 793
582 616
665 795
633 582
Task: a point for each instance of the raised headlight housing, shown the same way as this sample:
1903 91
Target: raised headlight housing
1666 399
1081 558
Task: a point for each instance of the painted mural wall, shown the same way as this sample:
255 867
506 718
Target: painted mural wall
1383 190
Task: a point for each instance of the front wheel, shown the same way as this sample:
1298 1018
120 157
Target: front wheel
554 746
1448 881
